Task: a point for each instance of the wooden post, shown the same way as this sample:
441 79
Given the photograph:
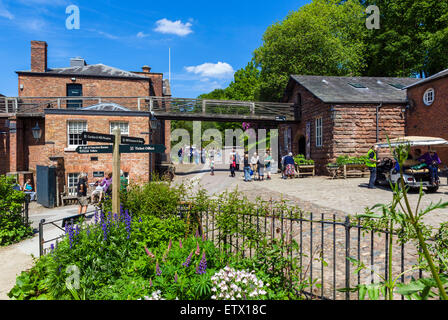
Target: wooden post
116 173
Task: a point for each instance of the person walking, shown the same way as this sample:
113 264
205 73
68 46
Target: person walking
289 166
123 182
212 167
260 167
371 164
268 164
238 161
180 154
191 154
81 192
246 168
253 163
232 164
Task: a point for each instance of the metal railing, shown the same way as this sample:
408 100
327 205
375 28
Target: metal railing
325 245
159 105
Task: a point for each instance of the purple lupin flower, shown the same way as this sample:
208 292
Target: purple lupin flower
88 231
70 234
169 245
175 277
158 271
202 267
96 216
187 262
197 233
52 247
150 283
128 221
180 243
104 227
76 231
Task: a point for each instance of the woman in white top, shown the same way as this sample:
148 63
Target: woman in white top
253 163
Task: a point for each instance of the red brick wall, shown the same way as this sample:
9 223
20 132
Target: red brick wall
347 129
137 164
431 120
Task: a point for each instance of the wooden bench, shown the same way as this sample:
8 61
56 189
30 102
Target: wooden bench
305 170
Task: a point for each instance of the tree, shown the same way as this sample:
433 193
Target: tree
412 39
325 37
246 83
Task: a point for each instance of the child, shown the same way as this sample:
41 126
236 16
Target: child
212 167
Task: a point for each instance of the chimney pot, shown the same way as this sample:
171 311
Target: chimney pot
146 69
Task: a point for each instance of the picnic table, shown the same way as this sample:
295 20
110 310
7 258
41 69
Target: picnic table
348 170
305 169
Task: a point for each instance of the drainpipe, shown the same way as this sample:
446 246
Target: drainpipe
377 122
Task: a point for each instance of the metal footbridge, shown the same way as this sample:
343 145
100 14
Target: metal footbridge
164 108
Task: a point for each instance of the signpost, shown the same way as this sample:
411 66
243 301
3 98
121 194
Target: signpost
129 145
94 149
142 148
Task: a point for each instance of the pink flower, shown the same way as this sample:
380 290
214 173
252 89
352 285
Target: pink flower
169 245
180 243
198 251
149 253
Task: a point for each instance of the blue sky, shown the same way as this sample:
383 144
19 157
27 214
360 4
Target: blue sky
209 40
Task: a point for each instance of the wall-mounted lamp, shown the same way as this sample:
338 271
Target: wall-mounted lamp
37 132
73 79
21 87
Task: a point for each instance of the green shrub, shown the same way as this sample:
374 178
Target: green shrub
300 160
12 228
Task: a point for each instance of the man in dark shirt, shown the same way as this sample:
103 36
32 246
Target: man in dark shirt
81 190
432 160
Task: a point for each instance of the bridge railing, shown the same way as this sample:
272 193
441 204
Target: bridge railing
156 104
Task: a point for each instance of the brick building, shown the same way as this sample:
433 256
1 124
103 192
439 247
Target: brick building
63 102
427 112
342 115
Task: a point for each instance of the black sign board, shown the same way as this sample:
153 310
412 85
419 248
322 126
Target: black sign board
98 174
94 149
132 140
102 137
142 148
280 118
97 137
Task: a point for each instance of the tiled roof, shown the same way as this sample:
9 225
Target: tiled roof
97 70
356 89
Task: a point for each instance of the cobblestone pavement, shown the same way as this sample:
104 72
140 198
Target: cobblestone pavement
333 198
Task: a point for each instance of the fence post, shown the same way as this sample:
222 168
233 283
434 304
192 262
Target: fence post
347 254
41 237
25 209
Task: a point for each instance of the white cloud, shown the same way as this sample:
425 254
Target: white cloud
4 13
142 35
214 70
173 27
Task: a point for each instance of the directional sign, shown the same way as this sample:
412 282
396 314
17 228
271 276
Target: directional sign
280 118
142 148
132 140
102 137
94 149
97 137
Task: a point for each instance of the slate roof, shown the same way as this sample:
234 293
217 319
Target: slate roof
338 89
439 75
96 70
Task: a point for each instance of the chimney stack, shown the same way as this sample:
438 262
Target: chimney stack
38 56
146 69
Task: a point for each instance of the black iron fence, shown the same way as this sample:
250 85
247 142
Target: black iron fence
326 247
57 233
25 209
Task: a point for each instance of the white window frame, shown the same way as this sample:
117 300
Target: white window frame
429 96
319 135
122 125
79 132
72 182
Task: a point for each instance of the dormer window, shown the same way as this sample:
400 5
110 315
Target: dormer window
428 97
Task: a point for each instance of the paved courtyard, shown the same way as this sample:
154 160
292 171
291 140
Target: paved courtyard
318 194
